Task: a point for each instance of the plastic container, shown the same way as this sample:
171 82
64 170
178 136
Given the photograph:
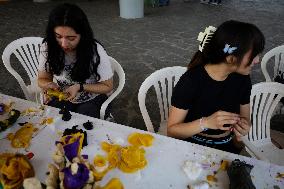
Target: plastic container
131 9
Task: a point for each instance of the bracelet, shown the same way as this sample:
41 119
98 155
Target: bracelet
201 125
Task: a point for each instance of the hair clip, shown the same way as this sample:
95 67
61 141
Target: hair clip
229 49
204 37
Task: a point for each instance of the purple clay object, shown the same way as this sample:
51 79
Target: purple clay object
74 130
77 180
71 150
2 108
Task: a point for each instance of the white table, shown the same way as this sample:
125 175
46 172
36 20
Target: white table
165 158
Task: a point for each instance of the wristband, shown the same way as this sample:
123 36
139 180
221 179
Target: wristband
201 125
81 87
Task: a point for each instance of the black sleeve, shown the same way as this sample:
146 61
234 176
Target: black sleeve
245 98
184 92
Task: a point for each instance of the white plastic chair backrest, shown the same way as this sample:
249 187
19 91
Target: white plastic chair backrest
278 54
116 67
26 50
163 81
263 100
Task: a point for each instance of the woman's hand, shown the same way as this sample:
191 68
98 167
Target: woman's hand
241 128
49 85
72 91
219 119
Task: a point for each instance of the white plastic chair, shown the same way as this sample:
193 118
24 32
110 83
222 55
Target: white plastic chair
163 81
278 54
276 57
263 101
26 50
121 75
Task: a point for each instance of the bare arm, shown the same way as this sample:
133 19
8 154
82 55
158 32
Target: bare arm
102 87
45 81
176 126
178 129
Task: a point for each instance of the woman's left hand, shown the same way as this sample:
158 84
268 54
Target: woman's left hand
72 91
241 128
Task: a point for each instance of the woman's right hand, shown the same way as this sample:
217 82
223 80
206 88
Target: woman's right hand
51 85
219 119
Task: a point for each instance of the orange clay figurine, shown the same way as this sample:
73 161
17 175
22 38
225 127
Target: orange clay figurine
57 94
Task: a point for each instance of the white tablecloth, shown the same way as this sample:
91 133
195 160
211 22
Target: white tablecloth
165 158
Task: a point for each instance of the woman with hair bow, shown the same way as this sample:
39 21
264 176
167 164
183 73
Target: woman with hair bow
210 103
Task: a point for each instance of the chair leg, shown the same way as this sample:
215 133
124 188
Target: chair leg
244 152
277 138
110 118
250 153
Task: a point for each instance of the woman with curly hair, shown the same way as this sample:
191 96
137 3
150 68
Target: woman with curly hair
72 61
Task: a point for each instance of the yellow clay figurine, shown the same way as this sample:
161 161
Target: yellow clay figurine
57 94
14 170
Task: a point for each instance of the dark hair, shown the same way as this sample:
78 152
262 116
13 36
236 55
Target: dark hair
72 16
242 35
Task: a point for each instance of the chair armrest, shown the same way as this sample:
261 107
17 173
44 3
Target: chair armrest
143 109
105 105
253 149
110 98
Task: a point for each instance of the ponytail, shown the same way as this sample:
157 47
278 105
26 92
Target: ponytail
197 60
231 38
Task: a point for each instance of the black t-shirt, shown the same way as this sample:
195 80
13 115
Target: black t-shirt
202 96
